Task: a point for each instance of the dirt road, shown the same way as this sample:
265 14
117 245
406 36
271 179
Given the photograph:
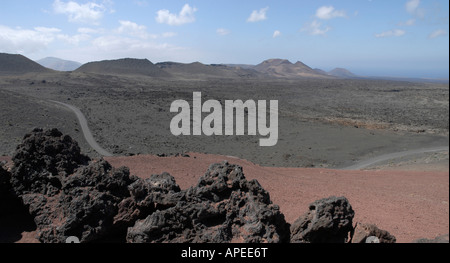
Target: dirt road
386 157
85 128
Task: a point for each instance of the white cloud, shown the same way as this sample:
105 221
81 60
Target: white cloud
30 41
315 28
139 31
391 33
412 7
73 40
258 15
185 16
140 3
89 13
47 30
437 33
223 31
329 12
132 29
276 34
87 30
168 34
409 22
18 40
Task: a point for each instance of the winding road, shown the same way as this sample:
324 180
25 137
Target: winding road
358 166
85 129
386 157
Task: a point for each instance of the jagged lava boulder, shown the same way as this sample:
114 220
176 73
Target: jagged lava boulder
328 221
147 196
223 207
43 159
66 195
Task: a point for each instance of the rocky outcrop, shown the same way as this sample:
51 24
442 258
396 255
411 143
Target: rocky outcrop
69 195
65 195
223 207
328 221
42 160
147 196
363 233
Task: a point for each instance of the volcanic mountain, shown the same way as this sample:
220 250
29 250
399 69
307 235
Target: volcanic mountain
11 64
59 64
126 66
199 70
284 68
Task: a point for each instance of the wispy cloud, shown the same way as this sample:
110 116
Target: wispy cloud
223 32
391 33
88 30
410 22
140 3
18 40
185 16
437 33
258 15
139 31
329 12
412 7
88 13
315 28
276 34
133 29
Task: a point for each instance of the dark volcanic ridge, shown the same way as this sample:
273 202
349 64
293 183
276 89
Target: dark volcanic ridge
272 68
127 66
67 194
284 68
17 65
198 70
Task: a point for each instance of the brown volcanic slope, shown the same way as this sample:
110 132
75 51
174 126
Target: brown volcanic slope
199 70
284 68
11 64
123 67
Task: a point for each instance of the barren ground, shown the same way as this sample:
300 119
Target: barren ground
323 124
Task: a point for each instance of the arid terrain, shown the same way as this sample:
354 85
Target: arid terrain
326 123
322 123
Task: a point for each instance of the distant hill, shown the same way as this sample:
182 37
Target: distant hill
59 64
342 73
12 64
319 71
282 68
199 70
126 66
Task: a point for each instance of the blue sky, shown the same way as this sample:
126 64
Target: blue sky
408 38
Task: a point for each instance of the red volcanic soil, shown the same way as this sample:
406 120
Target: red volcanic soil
408 204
